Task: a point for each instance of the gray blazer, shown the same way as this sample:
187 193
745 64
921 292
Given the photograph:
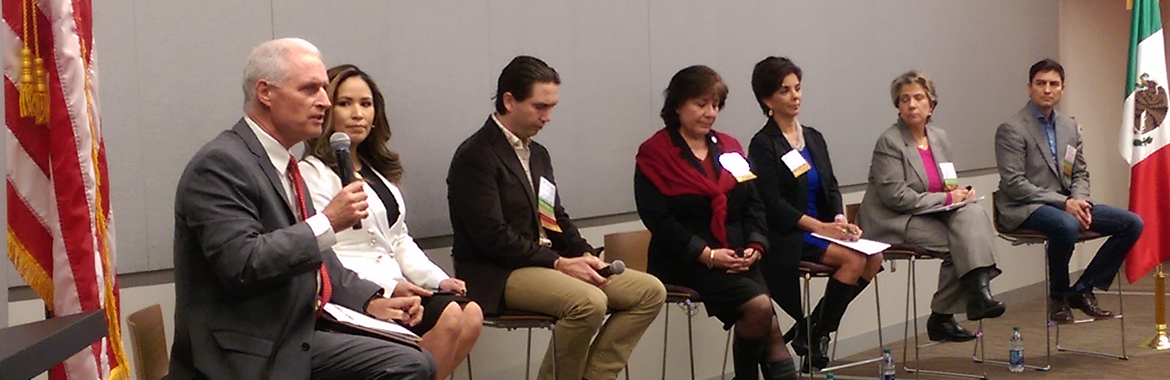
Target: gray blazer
246 269
898 183
1028 175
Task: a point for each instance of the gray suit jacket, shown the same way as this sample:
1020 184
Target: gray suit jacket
898 183
1028 175
245 269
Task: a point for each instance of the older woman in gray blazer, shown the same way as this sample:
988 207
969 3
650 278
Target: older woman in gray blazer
910 174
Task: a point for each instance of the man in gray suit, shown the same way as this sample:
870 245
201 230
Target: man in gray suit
1044 187
252 261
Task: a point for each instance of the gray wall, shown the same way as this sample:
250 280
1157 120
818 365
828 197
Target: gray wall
171 81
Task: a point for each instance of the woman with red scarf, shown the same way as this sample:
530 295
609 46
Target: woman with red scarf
694 192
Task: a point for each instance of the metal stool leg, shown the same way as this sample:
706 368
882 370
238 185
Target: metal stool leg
691 337
665 335
913 284
554 350
726 350
528 355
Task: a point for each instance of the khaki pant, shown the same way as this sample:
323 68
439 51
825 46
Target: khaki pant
635 298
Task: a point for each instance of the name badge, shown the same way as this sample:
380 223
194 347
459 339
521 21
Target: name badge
795 163
738 166
546 199
1070 156
949 176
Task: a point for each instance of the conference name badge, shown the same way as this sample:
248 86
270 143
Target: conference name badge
1070 155
546 199
949 176
795 162
738 166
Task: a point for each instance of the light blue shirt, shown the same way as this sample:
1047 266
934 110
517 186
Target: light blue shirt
1049 126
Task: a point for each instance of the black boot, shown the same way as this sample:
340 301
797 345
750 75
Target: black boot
747 354
979 302
779 370
836 300
944 328
798 334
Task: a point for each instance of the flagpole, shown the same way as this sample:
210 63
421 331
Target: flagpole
1160 341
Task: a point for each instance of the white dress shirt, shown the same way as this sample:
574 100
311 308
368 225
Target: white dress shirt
280 157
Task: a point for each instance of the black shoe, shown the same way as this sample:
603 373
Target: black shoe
980 304
799 339
944 328
1087 303
819 354
1058 310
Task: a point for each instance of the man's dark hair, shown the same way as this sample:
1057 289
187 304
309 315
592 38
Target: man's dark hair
1045 65
689 83
768 74
519 76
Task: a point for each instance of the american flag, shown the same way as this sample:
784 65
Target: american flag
60 228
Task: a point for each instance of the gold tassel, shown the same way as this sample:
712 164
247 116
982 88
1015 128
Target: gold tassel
25 88
42 95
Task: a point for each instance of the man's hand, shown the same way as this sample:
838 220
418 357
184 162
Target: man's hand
583 268
406 289
1081 209
405 310
454 285
347 207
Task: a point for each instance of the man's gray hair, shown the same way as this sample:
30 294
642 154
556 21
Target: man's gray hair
269 62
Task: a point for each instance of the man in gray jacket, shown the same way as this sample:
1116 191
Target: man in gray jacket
1044 187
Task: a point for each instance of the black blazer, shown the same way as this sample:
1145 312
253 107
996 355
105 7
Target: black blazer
494 215
786 197
680 226
245 269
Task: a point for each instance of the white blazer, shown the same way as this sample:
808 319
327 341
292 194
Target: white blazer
379 252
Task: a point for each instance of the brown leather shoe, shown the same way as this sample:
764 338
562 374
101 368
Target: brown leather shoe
1058 310
1087 303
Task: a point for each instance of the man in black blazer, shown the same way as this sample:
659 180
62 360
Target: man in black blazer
252 262
517 248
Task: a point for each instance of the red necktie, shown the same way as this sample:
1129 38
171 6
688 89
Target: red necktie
294 175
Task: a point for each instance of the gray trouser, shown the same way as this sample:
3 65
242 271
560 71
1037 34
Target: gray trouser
344 356
968 236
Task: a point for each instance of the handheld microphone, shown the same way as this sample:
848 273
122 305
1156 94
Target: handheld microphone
340 144
616 267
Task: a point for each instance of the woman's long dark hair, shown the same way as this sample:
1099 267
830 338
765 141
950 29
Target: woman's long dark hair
373 150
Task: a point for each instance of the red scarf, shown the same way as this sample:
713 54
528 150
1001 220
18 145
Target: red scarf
660 161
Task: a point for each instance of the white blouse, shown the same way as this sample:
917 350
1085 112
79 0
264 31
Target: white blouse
378 252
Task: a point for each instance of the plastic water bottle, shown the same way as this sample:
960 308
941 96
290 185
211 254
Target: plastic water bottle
1016 351
888 370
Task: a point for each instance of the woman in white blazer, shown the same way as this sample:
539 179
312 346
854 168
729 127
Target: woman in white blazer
382 250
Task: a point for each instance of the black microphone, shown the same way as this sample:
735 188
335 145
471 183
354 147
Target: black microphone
340 144
616 267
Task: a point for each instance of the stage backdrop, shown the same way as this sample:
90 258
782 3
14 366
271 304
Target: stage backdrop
171 77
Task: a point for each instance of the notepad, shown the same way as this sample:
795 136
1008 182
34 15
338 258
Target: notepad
866 246
344 320
952 206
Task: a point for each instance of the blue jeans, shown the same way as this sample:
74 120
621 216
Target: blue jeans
1123 228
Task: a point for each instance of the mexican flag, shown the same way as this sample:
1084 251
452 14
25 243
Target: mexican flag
1144 134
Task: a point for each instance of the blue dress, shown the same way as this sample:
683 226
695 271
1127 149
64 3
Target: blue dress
814 247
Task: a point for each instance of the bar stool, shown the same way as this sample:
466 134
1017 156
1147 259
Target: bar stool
810 270
1019 237
911 254
632 248
516 319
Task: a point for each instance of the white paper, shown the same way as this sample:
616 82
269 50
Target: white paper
947 169
548 191
735 164
952 206
866 246
345 315
795 162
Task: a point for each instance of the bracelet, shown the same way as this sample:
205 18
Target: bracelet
711 260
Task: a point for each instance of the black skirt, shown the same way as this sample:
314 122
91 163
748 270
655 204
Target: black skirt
433 308
722 293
